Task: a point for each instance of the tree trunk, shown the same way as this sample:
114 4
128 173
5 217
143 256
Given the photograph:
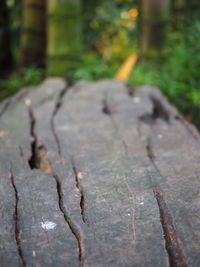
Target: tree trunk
5 40
33 35
64 36
155 17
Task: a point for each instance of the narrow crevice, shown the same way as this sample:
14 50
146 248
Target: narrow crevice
57 107
17 230
160 110
152 157
108 105
173 244
72 225
33 160
79 186
149 149
39 153
130 90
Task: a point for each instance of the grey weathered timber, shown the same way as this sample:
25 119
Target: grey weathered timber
91 176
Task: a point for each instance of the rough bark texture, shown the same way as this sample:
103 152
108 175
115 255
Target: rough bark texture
94 177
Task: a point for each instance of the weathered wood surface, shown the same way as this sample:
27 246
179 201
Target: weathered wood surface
91 176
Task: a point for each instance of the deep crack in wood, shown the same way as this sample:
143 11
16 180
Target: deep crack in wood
17 230
57 107
79 186
173 243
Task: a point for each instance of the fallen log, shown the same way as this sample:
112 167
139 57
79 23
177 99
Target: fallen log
91 176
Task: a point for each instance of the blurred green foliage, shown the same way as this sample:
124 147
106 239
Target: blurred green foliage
29 76
112 31
178 76
114 27
93 67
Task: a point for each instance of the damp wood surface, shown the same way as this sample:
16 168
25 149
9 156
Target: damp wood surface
97 174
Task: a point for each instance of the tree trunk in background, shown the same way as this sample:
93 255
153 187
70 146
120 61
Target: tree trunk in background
5 40
33 34
155 17
64 37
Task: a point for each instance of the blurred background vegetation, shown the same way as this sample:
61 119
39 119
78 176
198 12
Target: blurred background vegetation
154 42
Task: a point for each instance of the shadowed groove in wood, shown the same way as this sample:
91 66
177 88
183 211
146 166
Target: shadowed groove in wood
33 161
57 107
149 149
108 105
160 110
173 243
163 110
39 153
79 186
130 90
17 230
152 157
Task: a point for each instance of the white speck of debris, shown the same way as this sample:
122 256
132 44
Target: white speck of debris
160 136
129 214
47 225
142 203
80 176
34 253
28 102
136 100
